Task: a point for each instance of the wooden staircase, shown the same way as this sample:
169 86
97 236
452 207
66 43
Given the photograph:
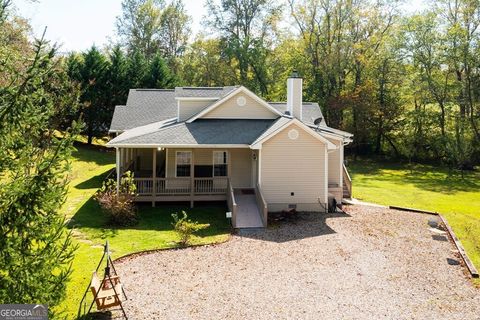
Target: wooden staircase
347 184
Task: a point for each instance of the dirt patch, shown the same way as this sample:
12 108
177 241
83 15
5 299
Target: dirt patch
370 263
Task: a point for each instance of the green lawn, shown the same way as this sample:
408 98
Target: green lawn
154 231
425 187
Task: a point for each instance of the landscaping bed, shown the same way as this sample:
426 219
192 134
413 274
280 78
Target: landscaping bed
369 263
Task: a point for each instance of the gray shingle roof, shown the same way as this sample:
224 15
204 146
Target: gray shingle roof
201 131
119 119
145 106
279 123
310 112
202 92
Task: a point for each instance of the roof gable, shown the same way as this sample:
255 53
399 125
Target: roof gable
282 124
230 107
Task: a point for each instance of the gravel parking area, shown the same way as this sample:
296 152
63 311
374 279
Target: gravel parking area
371 263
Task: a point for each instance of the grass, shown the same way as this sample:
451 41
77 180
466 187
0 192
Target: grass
428 188
90 166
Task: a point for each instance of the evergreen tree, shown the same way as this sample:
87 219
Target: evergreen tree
117 82
91 73
159 75
136 70
35 249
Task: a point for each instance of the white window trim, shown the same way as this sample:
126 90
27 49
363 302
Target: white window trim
213 163
176 157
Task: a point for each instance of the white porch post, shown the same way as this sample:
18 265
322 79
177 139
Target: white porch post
192 176
120 160
117 154
325 199
154 175
259 175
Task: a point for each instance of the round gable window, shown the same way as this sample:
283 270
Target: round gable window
293 134
241 101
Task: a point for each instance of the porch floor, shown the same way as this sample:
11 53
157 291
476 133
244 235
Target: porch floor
248 215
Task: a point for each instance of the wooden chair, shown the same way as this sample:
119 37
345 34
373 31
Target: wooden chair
105 295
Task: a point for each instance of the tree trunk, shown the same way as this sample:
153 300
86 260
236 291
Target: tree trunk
397 154
442 120
378 140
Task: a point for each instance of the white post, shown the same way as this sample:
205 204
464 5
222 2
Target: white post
154 175
122 158
325 198
117 154
192 178
259 176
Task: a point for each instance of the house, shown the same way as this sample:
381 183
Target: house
228 144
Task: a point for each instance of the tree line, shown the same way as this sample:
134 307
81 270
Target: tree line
406 85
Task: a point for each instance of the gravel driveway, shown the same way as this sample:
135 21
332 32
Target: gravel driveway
373 263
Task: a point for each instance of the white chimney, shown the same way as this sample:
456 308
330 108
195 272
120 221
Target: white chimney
294 95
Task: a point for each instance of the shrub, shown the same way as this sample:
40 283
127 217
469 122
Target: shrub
185 227
119 208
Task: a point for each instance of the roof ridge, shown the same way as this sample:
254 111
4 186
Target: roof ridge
147 89
282 102
202 88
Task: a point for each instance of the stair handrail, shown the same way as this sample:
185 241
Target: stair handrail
262 204
348 181
232 205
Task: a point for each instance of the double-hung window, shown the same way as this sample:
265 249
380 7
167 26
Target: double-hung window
184 161
220 163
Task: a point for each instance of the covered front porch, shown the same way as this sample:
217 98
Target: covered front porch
194 174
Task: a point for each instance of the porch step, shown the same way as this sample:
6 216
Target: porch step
248 214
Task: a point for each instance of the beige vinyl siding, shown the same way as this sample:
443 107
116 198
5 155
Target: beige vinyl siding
241 168
230 110
335 164
296 166
239 163
188 108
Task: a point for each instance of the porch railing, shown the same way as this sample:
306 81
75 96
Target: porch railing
262 205
180 186
347 183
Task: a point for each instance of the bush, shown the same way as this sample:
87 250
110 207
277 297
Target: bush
185 227
119 208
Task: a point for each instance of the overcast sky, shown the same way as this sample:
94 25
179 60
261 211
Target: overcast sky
76 25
